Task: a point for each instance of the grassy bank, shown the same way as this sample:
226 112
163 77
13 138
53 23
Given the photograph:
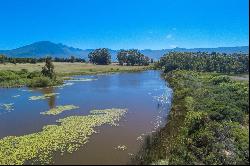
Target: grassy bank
12 75
208 123
10 78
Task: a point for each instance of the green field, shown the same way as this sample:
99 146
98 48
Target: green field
62 68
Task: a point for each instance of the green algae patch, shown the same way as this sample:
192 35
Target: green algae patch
67 136
7 107
16 96
59 109
46 96
121 147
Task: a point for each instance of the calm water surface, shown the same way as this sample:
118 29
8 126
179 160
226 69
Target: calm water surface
145 94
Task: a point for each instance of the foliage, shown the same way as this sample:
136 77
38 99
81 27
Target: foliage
67 136
208 134
4 59
100 56
48 69
43 82
201 61
132 57
24 78
207 123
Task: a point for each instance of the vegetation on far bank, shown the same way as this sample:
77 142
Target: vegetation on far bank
12 75
205 62
16 72
44 78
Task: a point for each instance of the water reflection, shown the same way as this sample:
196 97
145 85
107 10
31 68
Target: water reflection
52 99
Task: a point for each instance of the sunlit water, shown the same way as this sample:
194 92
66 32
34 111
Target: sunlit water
145 94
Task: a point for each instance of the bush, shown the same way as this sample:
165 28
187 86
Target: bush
39 82
43 82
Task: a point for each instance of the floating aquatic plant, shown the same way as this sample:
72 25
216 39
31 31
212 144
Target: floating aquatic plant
139 138
59 109
48 95
121 147
16 96
67 136
7 107
130 154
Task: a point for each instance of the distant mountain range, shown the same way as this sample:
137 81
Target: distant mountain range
47 48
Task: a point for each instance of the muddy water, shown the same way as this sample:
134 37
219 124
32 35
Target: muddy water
145 94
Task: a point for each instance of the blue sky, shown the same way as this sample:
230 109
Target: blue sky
116 24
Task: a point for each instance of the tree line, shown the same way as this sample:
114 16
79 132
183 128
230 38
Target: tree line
205 62
125 57
5 59
99 56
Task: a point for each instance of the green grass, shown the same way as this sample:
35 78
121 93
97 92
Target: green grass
62 68
9 78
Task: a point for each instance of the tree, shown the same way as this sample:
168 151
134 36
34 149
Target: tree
205 62
2 59
48 69
122 57
72 59
132 57
100 56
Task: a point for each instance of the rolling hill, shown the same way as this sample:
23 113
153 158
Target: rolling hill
47 48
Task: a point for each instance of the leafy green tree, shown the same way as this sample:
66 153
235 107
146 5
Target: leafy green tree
72 59
2 58
48 69
202 61
132 57
100 56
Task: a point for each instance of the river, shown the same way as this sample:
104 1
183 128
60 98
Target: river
145 95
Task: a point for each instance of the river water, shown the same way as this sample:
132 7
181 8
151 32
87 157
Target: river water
145 95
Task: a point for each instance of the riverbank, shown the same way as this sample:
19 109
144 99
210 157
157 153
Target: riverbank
208 122
23 74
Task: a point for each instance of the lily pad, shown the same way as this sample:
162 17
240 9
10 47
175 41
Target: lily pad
16 96
46 96
67 136
7 107
59 109
121 147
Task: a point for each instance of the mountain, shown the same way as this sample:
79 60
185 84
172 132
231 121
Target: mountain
156 54
42 49
47 48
